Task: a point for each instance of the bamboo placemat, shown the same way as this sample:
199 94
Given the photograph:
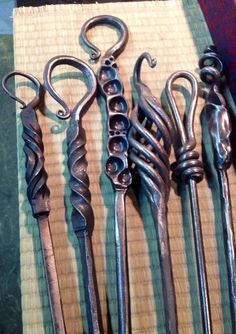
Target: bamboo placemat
175 33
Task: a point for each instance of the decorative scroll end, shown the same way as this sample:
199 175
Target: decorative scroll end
217 115
63 114
211 66
95 55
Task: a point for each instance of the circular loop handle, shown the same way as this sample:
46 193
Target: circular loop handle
109 20
36 100
90 78
186 132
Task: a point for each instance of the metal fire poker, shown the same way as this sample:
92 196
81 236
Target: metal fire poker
82 214
117 147
219 126
189 169
38 193
150 139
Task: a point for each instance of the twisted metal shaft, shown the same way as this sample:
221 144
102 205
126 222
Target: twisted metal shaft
219 126
38 196
83 217
189 169
38 192
82 213
36 175
150 139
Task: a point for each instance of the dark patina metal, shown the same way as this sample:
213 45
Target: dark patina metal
82 214
117 147
219 126
38 192
189 169
150 139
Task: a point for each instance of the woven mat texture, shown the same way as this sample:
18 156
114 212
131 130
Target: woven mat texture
175 33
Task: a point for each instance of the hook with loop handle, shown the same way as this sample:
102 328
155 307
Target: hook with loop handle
186 133
109 20
90 80
36 100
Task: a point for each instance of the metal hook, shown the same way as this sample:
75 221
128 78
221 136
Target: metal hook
188 133
138 65
35 81
109 20
90 80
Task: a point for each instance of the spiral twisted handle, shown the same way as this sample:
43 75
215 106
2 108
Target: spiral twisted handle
82 213
219 123
150 139
187 165
150 136
36 175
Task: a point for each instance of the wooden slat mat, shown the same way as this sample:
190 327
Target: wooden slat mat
175 33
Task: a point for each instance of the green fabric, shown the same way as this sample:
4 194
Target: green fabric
10 295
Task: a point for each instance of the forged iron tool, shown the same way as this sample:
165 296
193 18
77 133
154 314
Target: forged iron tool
150 139
117 147
82 214
189 169
219 126
38 192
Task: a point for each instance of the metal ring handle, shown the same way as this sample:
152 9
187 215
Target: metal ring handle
109 20
186 133
90 79
34 80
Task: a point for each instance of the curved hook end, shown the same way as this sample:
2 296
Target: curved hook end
137 68
38 87
95 55
63 114
152 62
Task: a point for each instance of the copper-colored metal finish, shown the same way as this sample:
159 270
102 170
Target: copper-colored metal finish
38 193
150 139
82 214
117 170
189 169
219 125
